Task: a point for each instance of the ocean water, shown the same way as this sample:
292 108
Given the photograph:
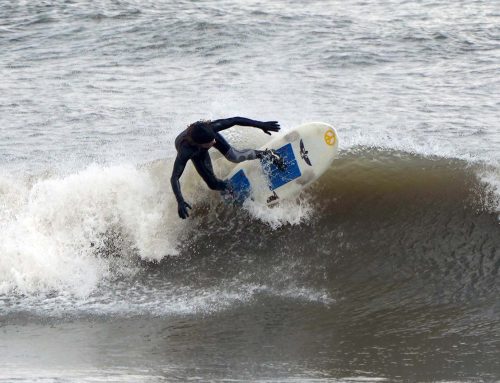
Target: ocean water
385 269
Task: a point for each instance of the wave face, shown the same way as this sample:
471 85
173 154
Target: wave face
429 225
423 227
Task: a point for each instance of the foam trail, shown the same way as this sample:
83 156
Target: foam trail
291 212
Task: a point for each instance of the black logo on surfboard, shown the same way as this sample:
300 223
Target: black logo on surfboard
273 197
304 153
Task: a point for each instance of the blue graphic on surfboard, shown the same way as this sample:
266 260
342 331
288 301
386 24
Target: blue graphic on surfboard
307 152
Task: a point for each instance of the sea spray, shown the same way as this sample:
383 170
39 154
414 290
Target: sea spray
292 212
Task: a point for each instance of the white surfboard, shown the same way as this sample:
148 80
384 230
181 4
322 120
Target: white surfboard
307 151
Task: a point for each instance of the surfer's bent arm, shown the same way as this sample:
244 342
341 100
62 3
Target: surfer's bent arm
179 165
227 123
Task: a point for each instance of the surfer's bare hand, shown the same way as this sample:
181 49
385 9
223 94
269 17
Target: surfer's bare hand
183 209
270 126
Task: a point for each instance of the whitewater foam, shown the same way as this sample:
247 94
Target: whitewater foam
162 299
291 212
53 229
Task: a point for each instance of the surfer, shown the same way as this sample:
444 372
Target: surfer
193 144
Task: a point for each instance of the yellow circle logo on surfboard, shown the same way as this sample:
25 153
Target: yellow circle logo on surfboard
330 137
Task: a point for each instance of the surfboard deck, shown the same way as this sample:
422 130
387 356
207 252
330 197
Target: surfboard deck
307 151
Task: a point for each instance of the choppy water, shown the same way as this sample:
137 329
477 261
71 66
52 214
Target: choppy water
386 269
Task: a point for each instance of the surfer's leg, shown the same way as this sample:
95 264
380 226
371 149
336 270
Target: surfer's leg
203 165
235 155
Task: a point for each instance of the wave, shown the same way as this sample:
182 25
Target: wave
426 222
429 225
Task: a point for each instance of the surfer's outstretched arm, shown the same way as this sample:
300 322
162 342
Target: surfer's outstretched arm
266 126
179 165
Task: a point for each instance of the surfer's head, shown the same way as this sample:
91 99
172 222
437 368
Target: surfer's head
202 134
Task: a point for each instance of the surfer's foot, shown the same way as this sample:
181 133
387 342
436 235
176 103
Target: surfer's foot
273 157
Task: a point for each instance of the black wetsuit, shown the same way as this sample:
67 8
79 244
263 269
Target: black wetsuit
188 150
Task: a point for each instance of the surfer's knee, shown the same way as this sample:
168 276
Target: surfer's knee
235 155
